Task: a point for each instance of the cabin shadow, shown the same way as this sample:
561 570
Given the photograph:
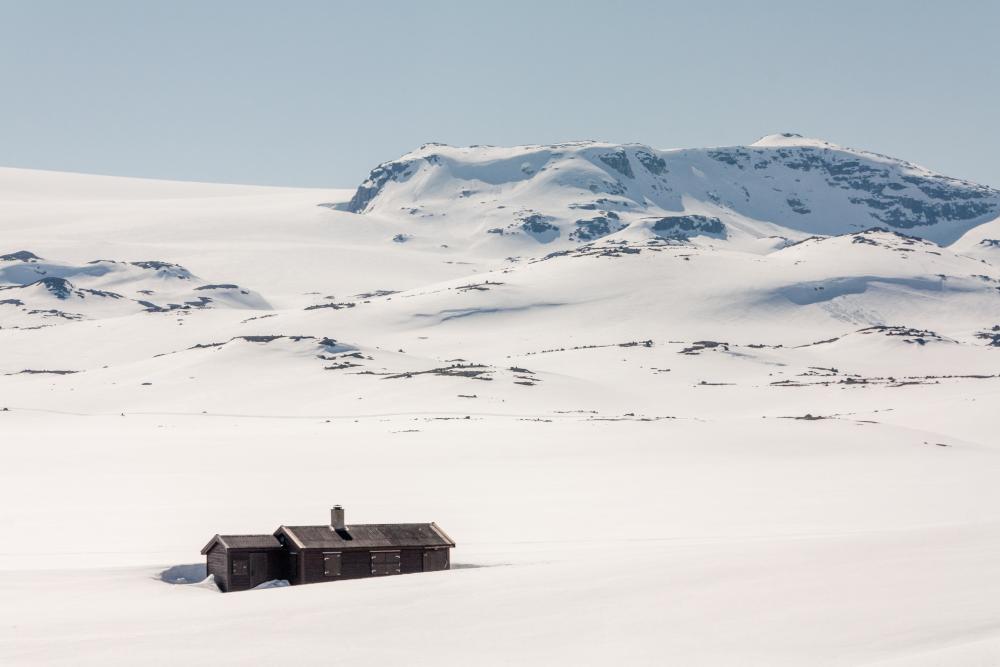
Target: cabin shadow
190 573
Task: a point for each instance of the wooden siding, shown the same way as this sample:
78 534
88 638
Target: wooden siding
259 570
272 564
412 561
239 576
437 559
361 563
294 567
355 564
312 566
277 565
217 564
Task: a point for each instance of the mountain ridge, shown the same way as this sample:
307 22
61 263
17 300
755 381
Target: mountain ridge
574 192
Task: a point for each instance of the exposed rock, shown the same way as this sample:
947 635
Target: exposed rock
596 227
20 256
991 336
798 206
58 287
618 160
654 164
540 227
684 226
165 269
379 176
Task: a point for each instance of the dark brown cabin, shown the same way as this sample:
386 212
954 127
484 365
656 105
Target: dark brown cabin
240 562
311 554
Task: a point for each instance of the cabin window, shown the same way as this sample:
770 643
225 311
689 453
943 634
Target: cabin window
331 563
241 567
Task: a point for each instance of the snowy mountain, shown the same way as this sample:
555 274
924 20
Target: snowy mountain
767 375
577 192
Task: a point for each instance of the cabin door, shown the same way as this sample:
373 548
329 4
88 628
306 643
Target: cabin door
258 569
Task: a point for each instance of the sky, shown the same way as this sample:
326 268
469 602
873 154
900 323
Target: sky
310 93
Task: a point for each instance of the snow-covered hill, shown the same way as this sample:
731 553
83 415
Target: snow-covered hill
780 185
37 291
765 376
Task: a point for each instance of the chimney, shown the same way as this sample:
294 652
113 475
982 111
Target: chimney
337 518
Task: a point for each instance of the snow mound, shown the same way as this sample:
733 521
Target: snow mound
785 139
207 583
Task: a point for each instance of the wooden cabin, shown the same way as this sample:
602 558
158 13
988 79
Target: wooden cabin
331 552
240 562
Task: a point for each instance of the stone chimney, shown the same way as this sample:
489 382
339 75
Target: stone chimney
337 518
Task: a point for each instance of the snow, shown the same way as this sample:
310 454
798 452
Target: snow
784 139
753 448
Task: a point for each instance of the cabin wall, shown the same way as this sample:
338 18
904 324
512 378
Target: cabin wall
437 559
294 565
217 564
357 564
277 564
313 569
275 567
412 560
353 565
238 582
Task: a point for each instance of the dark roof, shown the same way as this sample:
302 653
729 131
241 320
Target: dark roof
244 542
368 536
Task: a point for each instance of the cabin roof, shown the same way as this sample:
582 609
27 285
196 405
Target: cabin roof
243 542
368 536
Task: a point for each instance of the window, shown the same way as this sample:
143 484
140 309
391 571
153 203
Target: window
331 563
241 567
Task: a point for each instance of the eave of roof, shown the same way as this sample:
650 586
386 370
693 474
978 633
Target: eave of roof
211 543
443 534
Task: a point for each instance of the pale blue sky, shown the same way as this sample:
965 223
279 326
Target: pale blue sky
317 93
